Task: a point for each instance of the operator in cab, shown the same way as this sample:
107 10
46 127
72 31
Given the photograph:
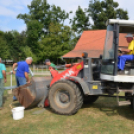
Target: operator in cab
128 53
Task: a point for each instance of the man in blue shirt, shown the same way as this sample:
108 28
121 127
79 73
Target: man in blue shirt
22 72
2 75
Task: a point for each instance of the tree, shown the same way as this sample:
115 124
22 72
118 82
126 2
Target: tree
120 13
57 42
33 32
81 21
15 42
28 53
41 11
101 11
4 50
40 18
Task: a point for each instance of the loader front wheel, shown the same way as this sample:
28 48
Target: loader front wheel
65 97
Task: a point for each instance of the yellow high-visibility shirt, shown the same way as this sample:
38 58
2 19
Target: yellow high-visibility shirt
131 47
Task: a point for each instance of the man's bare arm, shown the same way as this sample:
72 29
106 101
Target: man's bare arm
4 74
14 65
125 50
27 77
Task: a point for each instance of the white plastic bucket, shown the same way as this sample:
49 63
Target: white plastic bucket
18 113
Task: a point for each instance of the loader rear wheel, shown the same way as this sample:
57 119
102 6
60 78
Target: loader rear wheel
90 99
65 97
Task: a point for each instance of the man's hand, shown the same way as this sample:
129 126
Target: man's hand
28 81
14 72
124 50
119 49
27 77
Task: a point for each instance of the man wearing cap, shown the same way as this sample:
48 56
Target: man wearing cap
2 75
22 72
47 62
129 53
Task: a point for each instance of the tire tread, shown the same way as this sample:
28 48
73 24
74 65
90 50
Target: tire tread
79 97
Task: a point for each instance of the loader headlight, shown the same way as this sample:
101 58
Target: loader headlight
84 54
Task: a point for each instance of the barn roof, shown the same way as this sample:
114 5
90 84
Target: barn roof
92 42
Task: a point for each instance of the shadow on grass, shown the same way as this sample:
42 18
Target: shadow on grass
33 109
4 99
110 108
16 104
105 105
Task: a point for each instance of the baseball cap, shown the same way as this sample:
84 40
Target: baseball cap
46 60
129 35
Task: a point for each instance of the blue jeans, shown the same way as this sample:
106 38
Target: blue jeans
20 81
122 60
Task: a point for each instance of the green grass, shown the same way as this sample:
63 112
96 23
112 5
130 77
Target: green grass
102 117
8 80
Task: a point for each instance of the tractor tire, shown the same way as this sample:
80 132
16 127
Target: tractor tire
90 99
65 97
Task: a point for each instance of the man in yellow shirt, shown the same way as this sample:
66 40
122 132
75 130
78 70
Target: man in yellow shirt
129 52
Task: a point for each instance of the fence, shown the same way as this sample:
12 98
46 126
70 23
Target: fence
35 70
43 68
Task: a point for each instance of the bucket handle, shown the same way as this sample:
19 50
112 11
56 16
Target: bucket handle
10 105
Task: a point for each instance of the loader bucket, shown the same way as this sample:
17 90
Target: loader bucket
30 95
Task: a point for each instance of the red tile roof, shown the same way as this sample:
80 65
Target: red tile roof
92 42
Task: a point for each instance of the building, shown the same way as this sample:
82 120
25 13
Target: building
93 42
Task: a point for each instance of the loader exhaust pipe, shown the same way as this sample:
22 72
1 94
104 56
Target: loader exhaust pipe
87 70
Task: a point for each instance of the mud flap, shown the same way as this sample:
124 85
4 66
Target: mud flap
82 83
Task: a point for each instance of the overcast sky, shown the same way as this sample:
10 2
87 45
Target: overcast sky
9 9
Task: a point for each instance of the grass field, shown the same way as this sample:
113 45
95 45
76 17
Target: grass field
102 117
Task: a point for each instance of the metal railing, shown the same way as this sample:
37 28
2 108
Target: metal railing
34 70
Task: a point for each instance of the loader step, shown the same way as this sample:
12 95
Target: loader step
126 91
124 103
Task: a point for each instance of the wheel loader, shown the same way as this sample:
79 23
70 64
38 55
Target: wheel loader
84 82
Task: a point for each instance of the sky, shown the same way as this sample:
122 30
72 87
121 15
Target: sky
9 9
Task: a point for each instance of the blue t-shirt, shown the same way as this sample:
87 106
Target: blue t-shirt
22 68
2 67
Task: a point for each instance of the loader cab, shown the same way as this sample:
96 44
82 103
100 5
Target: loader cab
109 66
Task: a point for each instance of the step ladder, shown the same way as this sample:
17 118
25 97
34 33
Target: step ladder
123 103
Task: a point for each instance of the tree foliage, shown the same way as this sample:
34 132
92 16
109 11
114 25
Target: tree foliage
46 32
4 51
101 11
15 42
57 43
47 36
81 21
27 52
